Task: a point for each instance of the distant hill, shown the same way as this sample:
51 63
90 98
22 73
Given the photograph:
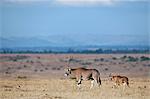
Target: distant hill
37 42
69 41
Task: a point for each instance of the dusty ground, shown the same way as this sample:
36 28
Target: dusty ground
40 76
66 89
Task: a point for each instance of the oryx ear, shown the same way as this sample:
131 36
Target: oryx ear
110 75
69 68
70 59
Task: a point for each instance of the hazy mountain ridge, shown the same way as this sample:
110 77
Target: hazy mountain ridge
64 41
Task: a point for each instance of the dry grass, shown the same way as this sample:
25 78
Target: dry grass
66 89
40 76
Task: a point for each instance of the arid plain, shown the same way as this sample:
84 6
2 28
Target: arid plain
41 76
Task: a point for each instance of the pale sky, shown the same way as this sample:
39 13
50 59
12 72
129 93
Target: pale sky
114 20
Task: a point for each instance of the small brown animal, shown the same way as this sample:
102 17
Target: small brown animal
119 80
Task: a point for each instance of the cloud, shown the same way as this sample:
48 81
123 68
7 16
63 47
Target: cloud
94 2
26 1
84 2
75 2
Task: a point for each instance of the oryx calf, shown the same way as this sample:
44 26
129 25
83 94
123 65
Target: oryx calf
84 74
119 80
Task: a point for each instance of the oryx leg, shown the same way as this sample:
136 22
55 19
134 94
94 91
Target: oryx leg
92 83
124 85
79 83
115 85
79 79
97 82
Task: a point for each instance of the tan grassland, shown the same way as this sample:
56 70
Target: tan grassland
41 76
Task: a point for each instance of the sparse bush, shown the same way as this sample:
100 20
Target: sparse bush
99 59
15 60
133 65
7 72
38 62
38 57
18 67
61 66
53 68
62 60
96 59
24 66
124 57
141 69
58 68
6 86
35 70
124 67
114 58
57 97
148 65
41 70
74 60
107 60
22 77
28 61
106 69
46 68
9 68
86 63
132 59
144 58
119 63
102 59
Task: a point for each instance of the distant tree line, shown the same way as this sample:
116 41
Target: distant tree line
97 51
110 51
25 52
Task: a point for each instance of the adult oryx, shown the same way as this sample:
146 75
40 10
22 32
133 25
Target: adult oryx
84 74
